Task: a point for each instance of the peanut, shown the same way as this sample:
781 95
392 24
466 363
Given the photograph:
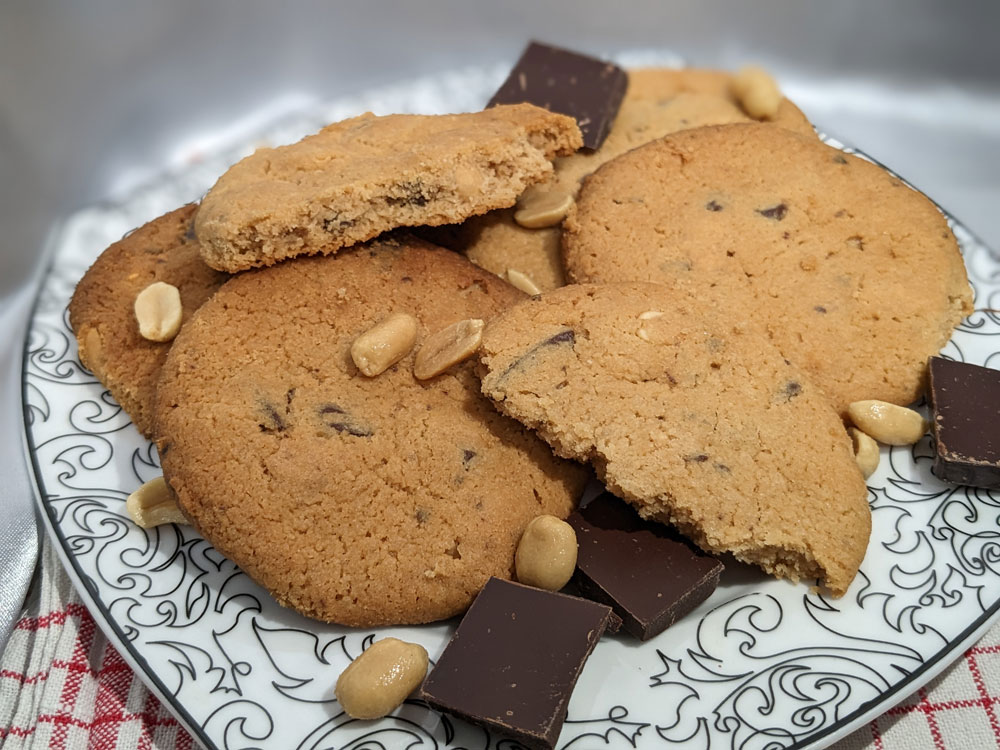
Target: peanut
380 679
888 423
538 209
757 92
158 311
92 351
546 554
648 315
384 344
447 347
153 504
522 282
866 451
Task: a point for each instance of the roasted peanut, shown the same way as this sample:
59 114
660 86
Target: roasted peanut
92 350
447 347
158 311
546 554
468 181
538 209
648 315
757 92
380 679
522 282
384 344
888 423
866 451
154 504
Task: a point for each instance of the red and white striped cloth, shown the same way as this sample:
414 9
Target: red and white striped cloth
63 686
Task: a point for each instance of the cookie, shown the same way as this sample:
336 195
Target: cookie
854 276
102 315
659 101
691 416
358 178
356 500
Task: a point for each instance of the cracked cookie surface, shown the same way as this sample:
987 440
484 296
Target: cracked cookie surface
694 418
102 313
854 276
364 176
352 499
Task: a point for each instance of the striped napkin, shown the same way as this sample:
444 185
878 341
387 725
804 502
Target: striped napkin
64 686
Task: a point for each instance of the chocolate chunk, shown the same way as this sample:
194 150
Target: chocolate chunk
792 389
647 572
566 336
563 337
514 660
412 195
965 403
713 206
774 212
337 418
272 419
569 83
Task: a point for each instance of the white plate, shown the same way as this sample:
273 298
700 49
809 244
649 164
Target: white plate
762 663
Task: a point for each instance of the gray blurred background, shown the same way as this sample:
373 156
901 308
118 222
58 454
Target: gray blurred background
96 96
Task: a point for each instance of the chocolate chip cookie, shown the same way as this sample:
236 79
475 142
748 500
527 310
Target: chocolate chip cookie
691 416
854 276
353 499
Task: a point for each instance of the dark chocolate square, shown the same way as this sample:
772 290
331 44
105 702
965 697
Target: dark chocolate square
647 572
514 660
569 83
965 402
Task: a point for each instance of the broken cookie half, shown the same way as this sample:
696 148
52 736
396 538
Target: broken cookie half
364 176
695 420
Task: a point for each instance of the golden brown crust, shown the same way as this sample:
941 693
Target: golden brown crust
361 177
854 276
101 312
694 418
362 501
